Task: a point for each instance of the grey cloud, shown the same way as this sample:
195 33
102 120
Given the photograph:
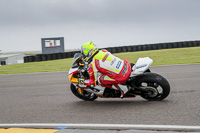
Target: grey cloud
100 11
107 22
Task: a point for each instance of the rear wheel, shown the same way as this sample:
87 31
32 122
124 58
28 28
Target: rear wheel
154 86
82 94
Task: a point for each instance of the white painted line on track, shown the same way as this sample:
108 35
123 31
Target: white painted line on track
105 126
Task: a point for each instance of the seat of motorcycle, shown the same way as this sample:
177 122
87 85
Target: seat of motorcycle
132 64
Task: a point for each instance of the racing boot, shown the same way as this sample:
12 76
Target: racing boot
122 88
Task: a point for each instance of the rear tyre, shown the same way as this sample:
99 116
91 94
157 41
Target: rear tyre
84 95
156 87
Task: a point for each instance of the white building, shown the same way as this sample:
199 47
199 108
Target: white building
9 59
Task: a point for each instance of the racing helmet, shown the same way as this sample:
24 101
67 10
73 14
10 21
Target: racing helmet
88 49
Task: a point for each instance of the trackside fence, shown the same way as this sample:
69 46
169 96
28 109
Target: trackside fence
120 49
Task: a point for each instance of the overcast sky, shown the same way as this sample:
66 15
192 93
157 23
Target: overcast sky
107 23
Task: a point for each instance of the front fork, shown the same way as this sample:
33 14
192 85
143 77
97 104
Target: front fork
97 91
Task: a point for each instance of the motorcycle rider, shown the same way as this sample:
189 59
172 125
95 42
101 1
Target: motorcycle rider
114 71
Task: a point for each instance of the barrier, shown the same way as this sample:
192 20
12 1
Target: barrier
54 56
144 47
31 58
180 44
38 58
138 48
119 49
174 45
184 44
198 43
189 44
70 54
44 57
131 48
169 45
195 44
149 47
3 63
154 46
49 57
65 55
113 50
134 48
124 49
160 46
60 56
25 59
108 49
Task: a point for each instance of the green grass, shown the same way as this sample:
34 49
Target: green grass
160 57
166 56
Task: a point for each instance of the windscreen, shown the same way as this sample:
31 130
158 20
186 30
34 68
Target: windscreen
76 59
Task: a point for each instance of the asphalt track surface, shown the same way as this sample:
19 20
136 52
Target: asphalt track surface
46 98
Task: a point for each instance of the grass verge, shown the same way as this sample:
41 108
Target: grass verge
160 57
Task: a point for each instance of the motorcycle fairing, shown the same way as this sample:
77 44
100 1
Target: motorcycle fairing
73 71
141 66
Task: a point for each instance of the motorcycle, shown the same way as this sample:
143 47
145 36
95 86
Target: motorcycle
142 82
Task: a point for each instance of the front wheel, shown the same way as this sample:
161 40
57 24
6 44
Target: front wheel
154 86
82 94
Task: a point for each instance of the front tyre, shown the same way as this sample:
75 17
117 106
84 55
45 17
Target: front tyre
84 95
156 87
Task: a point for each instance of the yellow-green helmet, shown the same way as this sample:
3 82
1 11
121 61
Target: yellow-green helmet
88 49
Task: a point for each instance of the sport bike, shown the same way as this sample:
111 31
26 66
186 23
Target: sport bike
142 82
